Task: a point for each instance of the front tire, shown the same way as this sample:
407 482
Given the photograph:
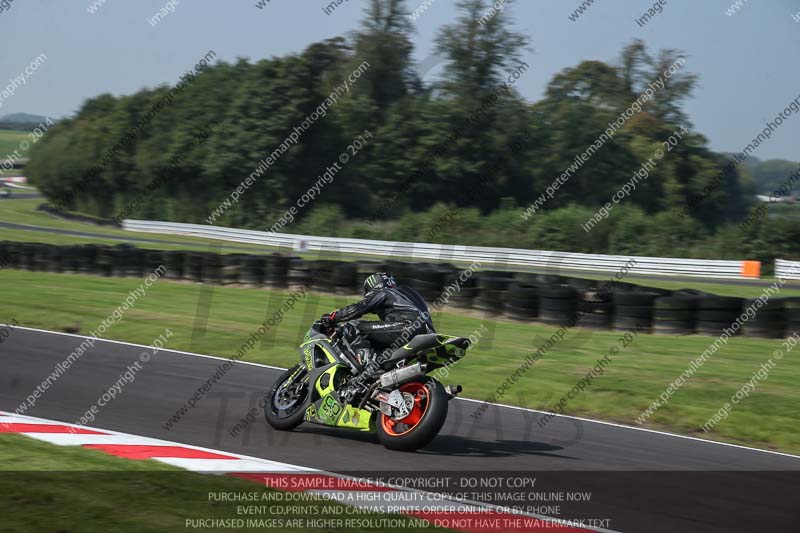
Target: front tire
422 424
285 400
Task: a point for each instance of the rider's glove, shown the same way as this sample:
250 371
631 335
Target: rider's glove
327 320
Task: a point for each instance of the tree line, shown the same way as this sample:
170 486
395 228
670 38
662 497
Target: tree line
432 140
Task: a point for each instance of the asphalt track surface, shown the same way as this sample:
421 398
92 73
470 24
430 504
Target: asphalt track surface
640 480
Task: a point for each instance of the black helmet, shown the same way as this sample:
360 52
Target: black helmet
379 280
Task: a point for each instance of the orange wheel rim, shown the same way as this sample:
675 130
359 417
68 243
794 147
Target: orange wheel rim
396 428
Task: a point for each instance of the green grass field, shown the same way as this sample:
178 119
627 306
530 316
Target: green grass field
9 141
68 488
769 418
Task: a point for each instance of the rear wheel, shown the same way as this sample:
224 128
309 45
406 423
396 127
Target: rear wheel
427 403
284 405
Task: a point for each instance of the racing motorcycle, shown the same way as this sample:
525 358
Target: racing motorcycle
391 395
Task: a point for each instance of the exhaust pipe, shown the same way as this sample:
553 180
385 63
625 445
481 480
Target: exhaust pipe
453 390
402 375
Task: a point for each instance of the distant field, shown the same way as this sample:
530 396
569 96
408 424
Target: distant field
9 141
25 212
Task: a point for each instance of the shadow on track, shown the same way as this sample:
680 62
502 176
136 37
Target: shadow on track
457 445
454 445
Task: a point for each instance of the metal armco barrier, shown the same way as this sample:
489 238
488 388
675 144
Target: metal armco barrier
511 257
787 269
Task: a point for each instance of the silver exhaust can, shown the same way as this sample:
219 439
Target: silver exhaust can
402 375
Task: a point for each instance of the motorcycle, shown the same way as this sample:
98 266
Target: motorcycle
391 396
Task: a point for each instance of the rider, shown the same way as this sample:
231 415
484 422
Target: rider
402 312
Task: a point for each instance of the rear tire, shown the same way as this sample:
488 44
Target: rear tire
285 416
433 406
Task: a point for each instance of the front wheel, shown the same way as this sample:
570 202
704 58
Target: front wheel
284 402
427 401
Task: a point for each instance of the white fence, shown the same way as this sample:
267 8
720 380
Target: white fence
787 269
499 258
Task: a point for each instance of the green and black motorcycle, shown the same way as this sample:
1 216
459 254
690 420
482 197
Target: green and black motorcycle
393 397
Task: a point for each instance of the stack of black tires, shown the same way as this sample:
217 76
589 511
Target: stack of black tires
716 314
428 279
595 309
674 314
492 287
193 266
276 271
345 276
769 320
212 268
253 270
174 263
299 273
522 302
633 310
792 307
558 304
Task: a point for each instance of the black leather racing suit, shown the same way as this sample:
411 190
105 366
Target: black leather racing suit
402 311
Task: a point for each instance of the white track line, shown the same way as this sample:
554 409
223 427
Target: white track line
602 422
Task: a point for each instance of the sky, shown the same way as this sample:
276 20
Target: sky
747 62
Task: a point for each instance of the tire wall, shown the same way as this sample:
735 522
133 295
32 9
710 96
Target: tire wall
519 296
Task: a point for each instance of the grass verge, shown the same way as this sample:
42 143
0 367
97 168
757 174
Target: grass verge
636 376
69 488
